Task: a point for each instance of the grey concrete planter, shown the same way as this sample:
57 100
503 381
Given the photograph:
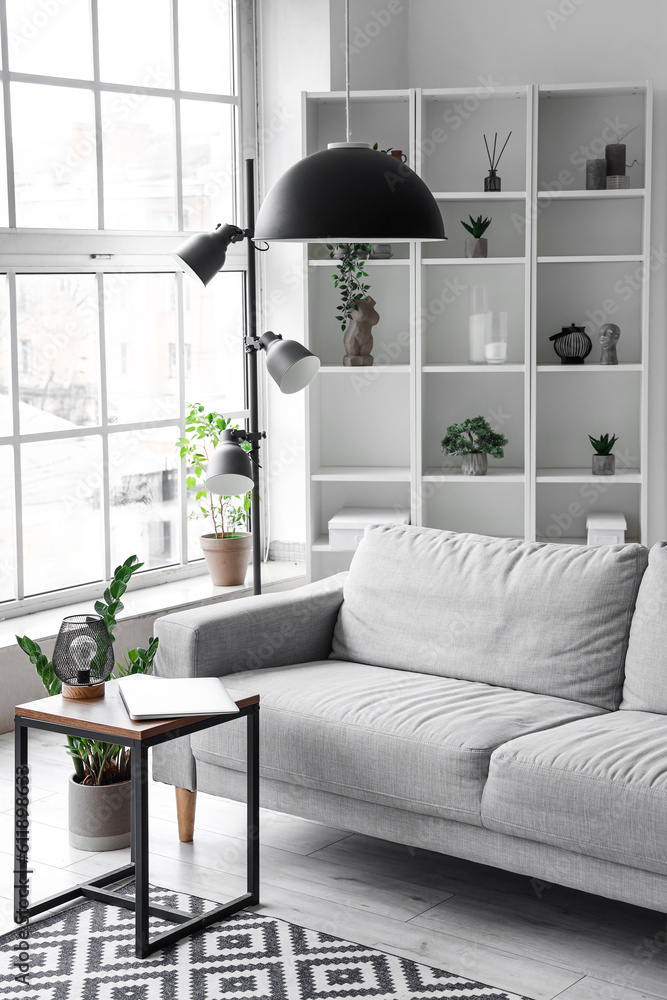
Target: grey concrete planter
99 816
475 464
604 465
476 247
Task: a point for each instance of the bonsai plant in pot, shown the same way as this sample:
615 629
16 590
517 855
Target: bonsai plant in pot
228 547
356 312
476 244
100 788
604 463
474 439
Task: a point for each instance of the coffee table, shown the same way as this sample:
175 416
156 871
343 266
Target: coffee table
107 719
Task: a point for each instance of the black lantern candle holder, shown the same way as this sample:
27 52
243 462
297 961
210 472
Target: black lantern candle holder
572 345
83 656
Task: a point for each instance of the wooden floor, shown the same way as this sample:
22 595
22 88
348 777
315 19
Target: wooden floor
533 939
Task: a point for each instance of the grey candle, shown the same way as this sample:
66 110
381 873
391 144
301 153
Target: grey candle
615 155
596 175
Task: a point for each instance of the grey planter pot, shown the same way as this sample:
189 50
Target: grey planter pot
475 464
476 248
604 465
99 816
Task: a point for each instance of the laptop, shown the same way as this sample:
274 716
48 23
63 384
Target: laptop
148 697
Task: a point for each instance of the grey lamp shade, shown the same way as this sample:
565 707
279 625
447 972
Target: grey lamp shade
203 254
229 472
349 193
289 363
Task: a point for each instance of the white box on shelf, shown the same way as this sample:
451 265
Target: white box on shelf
606 529
346 527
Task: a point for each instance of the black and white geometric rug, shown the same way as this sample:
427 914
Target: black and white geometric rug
86 952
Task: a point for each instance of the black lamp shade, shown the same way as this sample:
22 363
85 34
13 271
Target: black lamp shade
289 363
83 654
349 193
229 471
203 254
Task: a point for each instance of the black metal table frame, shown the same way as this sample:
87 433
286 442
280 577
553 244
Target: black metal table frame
95 888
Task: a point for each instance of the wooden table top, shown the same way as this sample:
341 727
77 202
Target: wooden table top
109 715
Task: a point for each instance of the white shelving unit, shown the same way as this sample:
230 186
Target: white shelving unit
559 254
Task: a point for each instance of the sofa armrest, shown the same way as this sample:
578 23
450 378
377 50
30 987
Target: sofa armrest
270 630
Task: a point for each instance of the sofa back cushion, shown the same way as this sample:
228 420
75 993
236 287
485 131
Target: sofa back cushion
645 688
547 618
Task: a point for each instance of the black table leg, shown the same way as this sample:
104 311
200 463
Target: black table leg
253 804
140 844
21 823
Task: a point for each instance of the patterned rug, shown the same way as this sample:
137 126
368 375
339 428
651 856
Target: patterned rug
86 952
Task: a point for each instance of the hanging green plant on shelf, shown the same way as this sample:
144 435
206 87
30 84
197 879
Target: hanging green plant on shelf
351 258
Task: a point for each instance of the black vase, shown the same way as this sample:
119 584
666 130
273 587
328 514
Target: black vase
492 182
572 345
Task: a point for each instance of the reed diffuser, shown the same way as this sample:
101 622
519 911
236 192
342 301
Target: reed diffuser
492 182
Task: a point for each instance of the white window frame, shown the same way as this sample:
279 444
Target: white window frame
99 252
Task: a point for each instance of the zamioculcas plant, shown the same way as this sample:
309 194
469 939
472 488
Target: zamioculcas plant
477 226
604 445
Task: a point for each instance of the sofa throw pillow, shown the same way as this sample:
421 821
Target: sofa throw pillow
547 618
645 688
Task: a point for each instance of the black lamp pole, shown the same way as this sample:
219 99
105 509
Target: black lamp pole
251 349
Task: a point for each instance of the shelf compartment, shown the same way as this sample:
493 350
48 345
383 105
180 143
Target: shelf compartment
607 226
496 474
562 507
496 510
361 474
622 476
328 497
506 234
382 118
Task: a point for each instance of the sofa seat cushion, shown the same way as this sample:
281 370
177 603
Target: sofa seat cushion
597 786
543 617
411 741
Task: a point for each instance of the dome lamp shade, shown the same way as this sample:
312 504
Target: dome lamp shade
349 193
203 255
229 471
291 365
83 656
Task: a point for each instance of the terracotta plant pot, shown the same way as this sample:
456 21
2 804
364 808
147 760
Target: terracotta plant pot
475 464
99 816
227 558
476 247
604 465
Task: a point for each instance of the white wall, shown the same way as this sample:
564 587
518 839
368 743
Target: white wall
440 43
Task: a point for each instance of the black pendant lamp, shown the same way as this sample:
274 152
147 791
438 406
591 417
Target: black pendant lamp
349 193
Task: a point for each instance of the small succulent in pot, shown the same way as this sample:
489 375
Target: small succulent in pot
474 439
476 243
604 463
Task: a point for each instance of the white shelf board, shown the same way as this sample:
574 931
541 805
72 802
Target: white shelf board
594 259
360 369
494 475
333 262
472 260
321 544
473 369
361 474
338 96
564 540
590 368
592 89
479 195
586 476
590 195
507 92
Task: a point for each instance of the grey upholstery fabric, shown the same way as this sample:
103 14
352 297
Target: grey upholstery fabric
645 687
547 618
272 629
597 786
541 862
412 741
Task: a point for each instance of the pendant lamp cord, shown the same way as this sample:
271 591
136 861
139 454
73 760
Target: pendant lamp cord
347 70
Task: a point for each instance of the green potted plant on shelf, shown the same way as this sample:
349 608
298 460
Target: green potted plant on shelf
604 463
349 277
100 788
476 244
228 546
474 439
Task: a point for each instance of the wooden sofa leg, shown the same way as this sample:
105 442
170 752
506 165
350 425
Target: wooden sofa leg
186 802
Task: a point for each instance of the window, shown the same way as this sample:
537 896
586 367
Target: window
121 120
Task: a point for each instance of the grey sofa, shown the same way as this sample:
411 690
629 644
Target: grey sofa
492 699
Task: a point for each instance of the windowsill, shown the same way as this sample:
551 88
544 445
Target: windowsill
178 595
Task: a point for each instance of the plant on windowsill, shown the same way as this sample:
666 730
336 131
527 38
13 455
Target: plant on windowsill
604 463
474 439
476 244
228 547
99 789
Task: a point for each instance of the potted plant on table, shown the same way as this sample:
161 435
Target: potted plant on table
228 547
604 463
476 244
100 788
474 439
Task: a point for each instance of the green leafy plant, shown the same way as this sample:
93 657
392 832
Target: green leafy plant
473 435
98 763
375 146
349 278
477 226
604 444
229 515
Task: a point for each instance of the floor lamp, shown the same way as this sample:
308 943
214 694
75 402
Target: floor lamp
231 470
